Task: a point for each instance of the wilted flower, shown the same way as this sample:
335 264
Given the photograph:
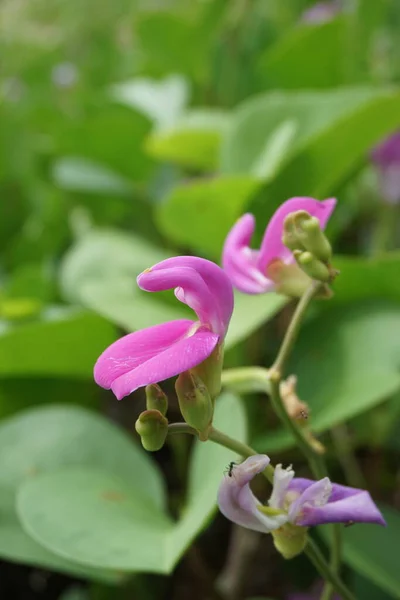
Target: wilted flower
296 501
386 156
162 351
259 271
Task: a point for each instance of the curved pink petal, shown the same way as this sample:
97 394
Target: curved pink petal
272 246
133 349
183 354
200 283
241 262
237 502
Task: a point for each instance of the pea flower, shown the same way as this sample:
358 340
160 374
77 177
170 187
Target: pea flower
321 12
294 501
386 157
151 355
255 271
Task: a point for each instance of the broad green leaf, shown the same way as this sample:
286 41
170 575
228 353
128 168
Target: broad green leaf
309 56
193 141
43 440
334 132
65 346
199 214
347 361
162 101
251 312
373 551
82 175
362 278
100 519
100 272
17 546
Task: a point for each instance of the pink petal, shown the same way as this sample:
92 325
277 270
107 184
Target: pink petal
136 348
201 284
272 246
241 262
182 355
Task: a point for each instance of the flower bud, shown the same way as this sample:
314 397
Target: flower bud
195 402
209 371
290 540
313 267
152 427
303 232
156 399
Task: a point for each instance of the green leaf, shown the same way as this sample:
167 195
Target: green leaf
346 361
100 272
334 132
75 593
161 101
373 551
55 347
82 175
193 141
73 436
309 56
17 546
100 519
200 214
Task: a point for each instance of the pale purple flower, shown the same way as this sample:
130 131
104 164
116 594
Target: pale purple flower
297 501
162 351
321 12
386 157
248 268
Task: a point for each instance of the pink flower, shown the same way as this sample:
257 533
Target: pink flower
247 268
386 156
297 501
162 351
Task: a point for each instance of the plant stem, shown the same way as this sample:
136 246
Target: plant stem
318 560
294 326
335 561
222 439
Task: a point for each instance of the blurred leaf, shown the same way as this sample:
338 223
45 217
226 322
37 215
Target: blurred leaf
367 278
101 519
372 551
83 175
250 313
193 141
75 593
161 101
347 362
17 546
199 214
42 440
308 56
67 346
334 132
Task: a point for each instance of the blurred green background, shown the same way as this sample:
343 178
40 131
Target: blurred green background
133 130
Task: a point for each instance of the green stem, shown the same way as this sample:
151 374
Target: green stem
222 439
334 561
294 326
317 558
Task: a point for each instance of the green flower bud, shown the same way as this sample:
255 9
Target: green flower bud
152 427
313 267
156 399
209 371
195 402
303 232
290 540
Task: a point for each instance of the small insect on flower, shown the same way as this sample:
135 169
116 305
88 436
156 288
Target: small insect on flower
349 523
229 469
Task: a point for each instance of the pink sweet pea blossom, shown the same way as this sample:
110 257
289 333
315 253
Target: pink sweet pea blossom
162 351
301 502
247 268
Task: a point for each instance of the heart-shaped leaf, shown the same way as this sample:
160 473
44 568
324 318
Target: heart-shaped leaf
100 519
